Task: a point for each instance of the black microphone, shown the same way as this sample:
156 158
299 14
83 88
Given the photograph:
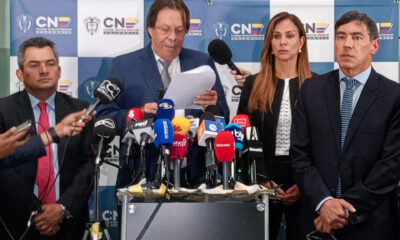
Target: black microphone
104 130
105 93
129 140
253 150
221 53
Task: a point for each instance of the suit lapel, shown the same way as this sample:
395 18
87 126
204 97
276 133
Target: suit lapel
332 94
150 71
367 98
24 109
185 61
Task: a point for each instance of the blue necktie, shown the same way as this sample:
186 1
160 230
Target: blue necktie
345 112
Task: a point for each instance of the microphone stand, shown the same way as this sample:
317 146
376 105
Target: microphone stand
92 230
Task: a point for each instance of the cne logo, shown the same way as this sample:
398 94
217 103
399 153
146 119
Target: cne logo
120 26
24 22
59 25
316 30
92 25
108 89
247 31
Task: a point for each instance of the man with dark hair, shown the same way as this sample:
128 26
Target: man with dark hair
345 142
51 176
144 72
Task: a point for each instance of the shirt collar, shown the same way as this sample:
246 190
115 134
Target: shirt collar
158 57
49 101
362 77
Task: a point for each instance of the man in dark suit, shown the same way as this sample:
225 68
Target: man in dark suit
345 141
58 184
141 73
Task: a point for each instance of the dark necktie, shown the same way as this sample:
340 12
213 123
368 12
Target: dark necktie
345 112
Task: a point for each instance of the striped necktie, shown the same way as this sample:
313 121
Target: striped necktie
345 113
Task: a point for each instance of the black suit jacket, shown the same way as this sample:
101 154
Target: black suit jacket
370 159
76 170
266 124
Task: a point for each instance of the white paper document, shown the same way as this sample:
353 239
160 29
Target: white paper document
187 85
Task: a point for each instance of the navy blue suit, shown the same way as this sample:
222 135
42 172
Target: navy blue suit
139 74
370 158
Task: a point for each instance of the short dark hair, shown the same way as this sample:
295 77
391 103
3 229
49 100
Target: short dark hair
171 4
362 18
39 42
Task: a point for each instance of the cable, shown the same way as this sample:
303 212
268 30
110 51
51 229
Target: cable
153 214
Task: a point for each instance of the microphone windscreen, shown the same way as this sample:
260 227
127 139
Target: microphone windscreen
224 146
165 109
242 120
213 109
237 133
163 132
181 125
134 114
108 90
219 51
105 127
179 147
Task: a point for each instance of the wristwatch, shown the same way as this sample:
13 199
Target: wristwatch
53 134
66 213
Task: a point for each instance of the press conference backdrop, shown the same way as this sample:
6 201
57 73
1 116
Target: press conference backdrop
89 33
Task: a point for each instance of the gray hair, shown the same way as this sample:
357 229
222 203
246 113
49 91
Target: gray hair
38 42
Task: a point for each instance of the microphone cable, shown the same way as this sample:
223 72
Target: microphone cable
154 213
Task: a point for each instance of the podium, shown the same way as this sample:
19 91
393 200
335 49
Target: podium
195 216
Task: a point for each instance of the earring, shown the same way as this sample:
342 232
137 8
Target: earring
272 52
300 51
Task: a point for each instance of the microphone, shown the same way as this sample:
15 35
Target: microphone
237 133
163 139
206 133
225 151
178 153
105 93
165 109
253 150
242 120
181 125
134 114
221 53
104 130
161 93
129 140
194 125
143 130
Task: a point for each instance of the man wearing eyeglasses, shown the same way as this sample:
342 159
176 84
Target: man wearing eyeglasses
143 72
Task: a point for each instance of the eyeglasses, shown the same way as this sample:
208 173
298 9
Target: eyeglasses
165 30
